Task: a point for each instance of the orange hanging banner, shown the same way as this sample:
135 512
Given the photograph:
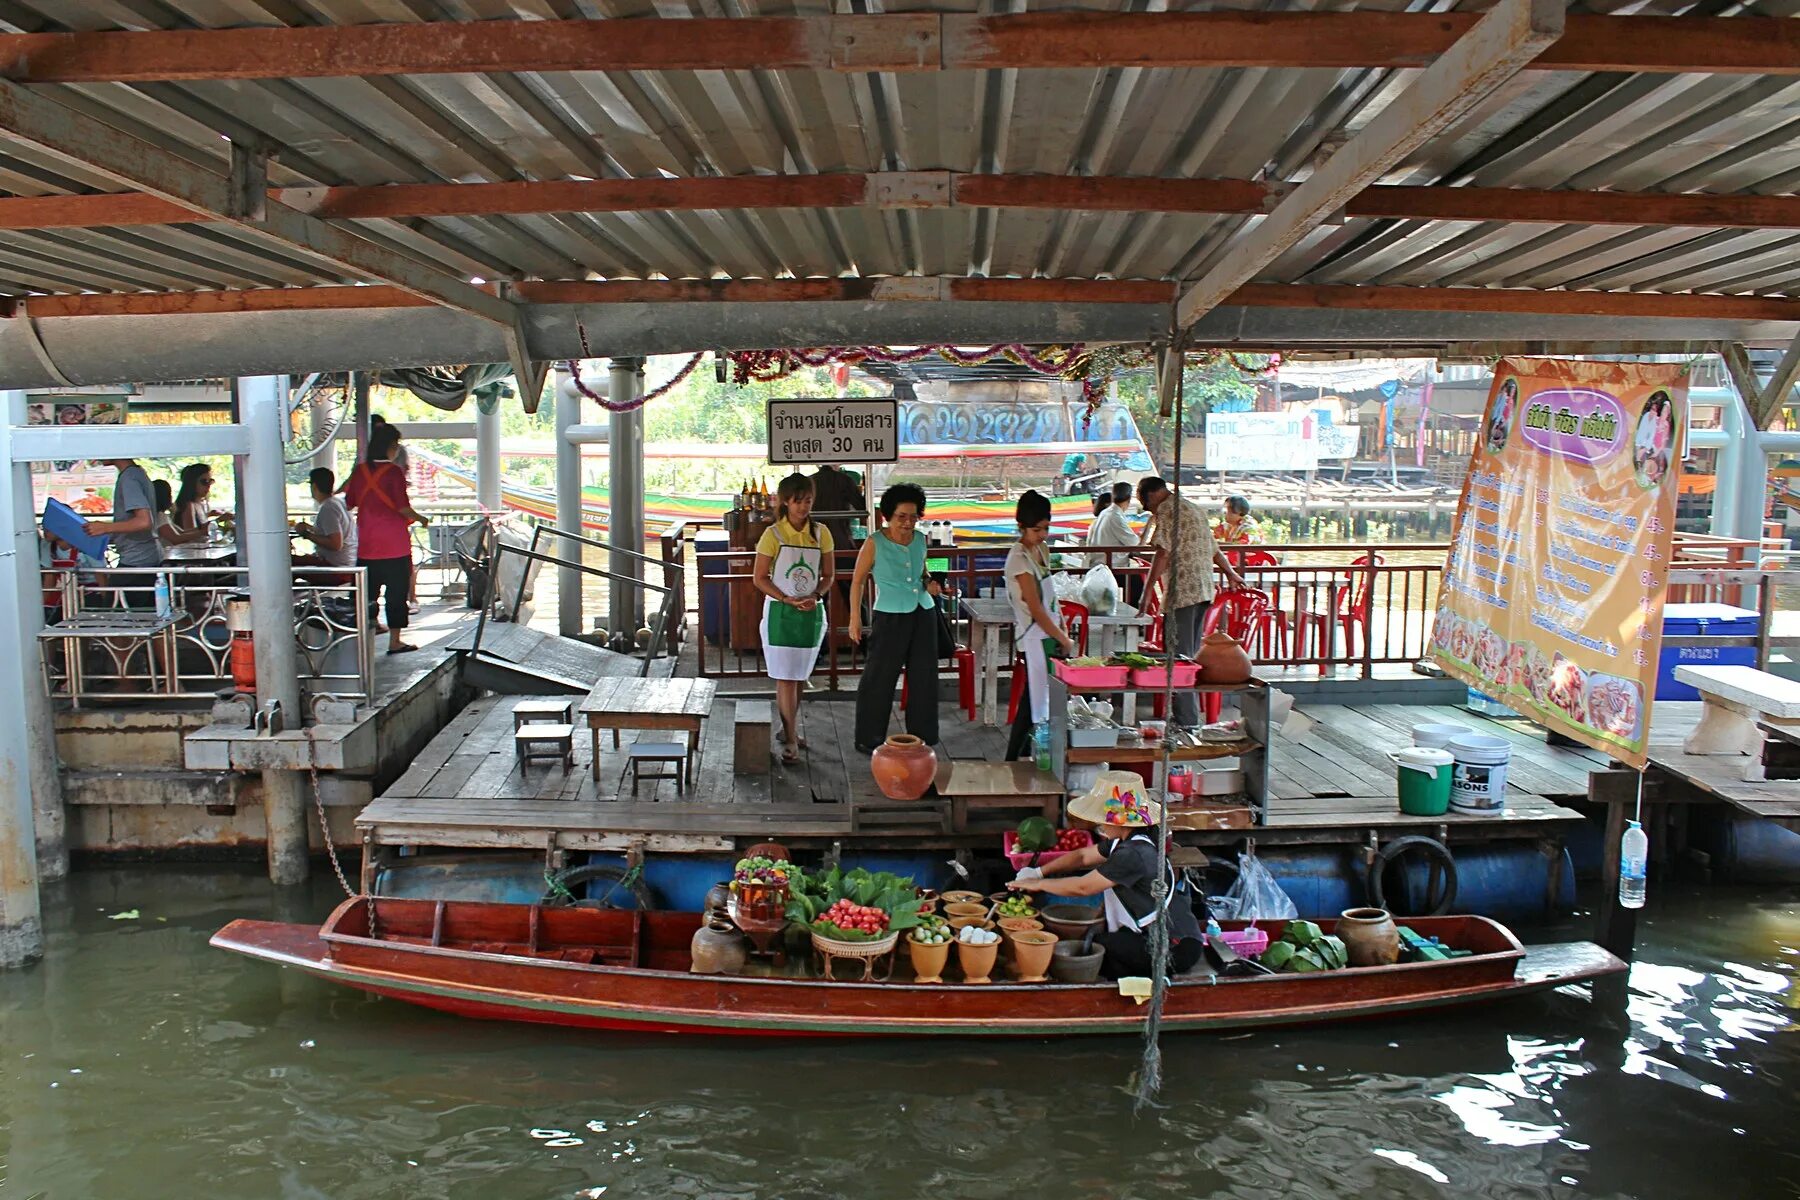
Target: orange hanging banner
1553 591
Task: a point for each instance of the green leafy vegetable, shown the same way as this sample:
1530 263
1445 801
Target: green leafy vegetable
1035 834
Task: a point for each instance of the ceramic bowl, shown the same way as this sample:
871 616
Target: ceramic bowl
1070 964
1070 921
962 897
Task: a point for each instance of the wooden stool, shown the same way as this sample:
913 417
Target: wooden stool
639 753
750 745
553 712
545 741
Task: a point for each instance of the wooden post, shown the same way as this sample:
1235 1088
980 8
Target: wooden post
1615 926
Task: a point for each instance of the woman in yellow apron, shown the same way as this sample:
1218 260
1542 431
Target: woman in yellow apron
794 573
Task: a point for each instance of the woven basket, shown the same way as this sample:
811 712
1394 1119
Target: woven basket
831 949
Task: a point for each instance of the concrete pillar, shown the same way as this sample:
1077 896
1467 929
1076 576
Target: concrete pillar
21 596
272 613
625 499
359 412
487 458
568 512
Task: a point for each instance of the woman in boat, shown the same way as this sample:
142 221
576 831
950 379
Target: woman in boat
1035 630
903 633
1120 868
794 573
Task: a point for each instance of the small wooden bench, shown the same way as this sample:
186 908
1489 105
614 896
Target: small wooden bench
639 753
755 721
1737 702
552 711
544 740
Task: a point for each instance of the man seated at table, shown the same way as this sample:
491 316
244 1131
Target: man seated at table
331 531
1110 528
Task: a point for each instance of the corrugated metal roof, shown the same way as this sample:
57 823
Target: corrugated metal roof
1718 132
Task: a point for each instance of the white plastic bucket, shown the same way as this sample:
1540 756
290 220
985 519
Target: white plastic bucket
1478 785
1436 737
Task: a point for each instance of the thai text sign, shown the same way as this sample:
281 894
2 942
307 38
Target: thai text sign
1553 591
1256 441
833 431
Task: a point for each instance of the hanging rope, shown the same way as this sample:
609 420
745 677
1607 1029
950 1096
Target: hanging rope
1149 1081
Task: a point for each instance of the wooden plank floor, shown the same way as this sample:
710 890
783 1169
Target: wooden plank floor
1717 775
1335 775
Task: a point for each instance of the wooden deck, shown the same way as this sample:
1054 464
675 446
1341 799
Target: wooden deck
1717 777
1332 783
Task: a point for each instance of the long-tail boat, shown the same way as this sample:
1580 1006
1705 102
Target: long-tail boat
613 969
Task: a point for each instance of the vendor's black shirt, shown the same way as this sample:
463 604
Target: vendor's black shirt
1131 865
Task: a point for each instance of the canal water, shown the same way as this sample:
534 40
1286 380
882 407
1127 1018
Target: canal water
137 1062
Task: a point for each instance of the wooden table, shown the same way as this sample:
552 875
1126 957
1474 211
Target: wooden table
628 702
981 785
987 617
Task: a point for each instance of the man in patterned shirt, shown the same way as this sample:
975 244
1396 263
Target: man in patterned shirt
1190 557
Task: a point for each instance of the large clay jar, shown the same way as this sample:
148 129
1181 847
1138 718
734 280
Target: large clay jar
718 896
977 962
717 949
1222 659
1369 936
928 960
903 767
1032 949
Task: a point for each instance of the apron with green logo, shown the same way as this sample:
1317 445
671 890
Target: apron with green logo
791 637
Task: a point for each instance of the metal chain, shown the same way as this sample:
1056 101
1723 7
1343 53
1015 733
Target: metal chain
337 868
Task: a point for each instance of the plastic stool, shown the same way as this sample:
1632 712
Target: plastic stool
1021 684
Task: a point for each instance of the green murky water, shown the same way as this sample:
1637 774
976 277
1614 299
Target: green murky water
137 1062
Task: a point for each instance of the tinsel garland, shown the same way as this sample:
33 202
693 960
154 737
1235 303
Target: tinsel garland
626 405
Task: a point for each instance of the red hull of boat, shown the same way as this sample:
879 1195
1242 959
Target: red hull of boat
504 962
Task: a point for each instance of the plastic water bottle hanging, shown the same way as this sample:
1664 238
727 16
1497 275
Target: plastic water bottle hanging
1634 856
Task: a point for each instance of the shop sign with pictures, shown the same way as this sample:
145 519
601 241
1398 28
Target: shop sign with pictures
1553 590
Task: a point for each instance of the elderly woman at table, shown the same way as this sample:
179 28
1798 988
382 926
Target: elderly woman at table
794 573
903 634
1035 630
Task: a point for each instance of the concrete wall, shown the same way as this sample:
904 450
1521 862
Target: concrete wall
129 795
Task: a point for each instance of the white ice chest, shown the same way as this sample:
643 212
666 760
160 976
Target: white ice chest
1735 701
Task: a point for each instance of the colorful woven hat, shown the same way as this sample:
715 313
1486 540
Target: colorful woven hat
1118 798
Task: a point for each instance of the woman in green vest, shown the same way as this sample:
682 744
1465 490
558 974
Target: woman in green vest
903 633
793 572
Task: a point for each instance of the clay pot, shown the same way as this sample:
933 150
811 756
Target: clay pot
979 920
1222 659
717 949
928 961
1071 921
903 767
717 897
961 897
1069 963
977 962
1370 939
965 909
1032 949
1012 925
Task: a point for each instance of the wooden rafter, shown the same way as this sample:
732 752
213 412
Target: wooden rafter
1687 307
1494 49
1062 193
886 42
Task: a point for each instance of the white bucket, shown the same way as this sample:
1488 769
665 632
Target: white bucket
1478 785
1436 737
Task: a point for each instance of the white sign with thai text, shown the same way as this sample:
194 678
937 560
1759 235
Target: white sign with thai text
807 432
1253 441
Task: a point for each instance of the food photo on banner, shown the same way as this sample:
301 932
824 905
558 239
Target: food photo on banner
1553 589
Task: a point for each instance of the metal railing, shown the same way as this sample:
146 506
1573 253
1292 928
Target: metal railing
669 591
191 659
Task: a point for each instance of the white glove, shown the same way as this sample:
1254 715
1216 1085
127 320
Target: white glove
1029 873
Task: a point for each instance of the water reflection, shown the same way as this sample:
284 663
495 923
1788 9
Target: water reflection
136 1060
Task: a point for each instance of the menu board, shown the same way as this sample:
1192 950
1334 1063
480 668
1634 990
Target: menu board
84 486
1553 591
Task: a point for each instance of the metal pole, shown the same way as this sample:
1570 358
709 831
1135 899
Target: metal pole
272 613
487 458
359 412
568 508
21 595
40 717
625 500
325 449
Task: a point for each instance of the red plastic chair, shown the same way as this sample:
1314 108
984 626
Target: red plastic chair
1075 620
1151 640
1350 612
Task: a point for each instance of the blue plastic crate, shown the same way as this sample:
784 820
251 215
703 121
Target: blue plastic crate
1703 620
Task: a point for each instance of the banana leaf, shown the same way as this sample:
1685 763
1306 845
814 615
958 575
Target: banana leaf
1301 933
1277 955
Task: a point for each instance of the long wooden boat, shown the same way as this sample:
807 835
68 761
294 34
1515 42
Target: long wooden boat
629 970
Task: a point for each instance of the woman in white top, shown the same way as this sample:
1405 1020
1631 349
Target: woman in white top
1034 628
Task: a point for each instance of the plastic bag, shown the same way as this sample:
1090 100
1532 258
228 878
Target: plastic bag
1256 896
1100 590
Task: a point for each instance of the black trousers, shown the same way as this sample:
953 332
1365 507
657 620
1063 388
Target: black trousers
1128 953
899 642
394 574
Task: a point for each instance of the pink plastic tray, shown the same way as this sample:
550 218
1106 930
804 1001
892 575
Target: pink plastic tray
1249 943
1091 677
1021 859
1186 675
